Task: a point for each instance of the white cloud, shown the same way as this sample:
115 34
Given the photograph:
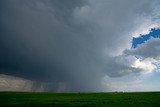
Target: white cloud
146 65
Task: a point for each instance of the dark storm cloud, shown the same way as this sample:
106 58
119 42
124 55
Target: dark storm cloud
39 41
68 41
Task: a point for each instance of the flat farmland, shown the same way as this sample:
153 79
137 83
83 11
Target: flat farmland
31 99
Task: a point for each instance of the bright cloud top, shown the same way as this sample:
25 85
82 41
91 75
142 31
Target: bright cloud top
147 66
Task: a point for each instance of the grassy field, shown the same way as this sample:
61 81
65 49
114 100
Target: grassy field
20 99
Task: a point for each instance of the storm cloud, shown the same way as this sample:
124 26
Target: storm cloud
76 43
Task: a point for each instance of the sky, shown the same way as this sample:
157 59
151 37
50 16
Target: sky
79 45
154 33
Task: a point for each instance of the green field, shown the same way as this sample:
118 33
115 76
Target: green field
21 99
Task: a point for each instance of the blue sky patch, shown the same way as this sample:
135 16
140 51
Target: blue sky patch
136 41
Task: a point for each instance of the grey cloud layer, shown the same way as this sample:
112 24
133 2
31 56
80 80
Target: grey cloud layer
66 40
150 48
